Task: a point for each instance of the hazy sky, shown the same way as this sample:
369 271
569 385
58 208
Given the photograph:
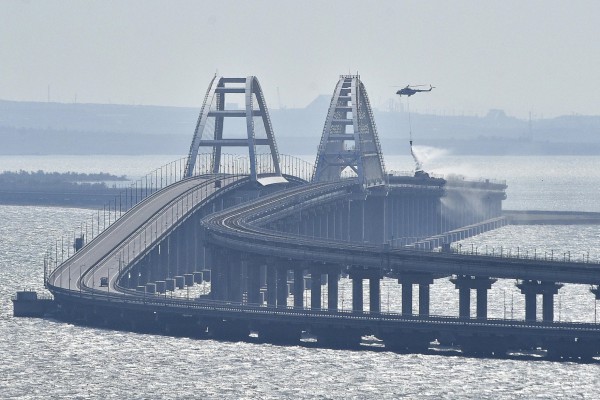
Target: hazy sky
520 56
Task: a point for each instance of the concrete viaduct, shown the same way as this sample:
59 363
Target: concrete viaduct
261 234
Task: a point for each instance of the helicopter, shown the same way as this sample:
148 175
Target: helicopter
410 90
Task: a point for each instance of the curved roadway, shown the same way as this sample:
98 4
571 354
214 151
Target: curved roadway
136 231
242 228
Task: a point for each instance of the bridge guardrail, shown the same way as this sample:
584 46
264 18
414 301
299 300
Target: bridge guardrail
153 182
156 300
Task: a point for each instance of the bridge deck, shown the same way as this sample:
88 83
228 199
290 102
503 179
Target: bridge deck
240 228
137 230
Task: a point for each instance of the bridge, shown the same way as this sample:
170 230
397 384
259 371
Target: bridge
265 230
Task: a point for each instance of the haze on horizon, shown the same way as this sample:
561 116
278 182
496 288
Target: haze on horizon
534 56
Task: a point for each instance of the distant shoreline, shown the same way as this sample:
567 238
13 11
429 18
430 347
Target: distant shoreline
37 128
68 189
93 200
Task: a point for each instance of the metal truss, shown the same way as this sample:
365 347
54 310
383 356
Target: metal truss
259 138
349 142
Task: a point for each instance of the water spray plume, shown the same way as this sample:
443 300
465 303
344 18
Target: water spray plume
418 164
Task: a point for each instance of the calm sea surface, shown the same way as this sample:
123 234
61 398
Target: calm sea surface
42 359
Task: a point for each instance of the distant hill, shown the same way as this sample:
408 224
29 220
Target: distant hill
59 128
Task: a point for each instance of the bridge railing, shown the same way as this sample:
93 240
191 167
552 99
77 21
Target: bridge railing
65 247
187 303
471 249
525 254
240 164
140 189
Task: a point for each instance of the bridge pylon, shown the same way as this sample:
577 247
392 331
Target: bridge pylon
349 143
253 119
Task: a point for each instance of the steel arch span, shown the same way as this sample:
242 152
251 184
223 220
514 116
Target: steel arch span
259 137
349 139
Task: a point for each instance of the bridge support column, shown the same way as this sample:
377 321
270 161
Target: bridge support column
271 285
222 274
408 279
234 278
407 297
482 306
548 306
357 217
357 294
357 274
339 220
162 260
530 305
464 302
152 263
253 274
424 298
531 289
282 286
331 225
312 223
299 287
375 294
320 223
333 276
216 288
375 220
315 288
189 248
464 284
172 241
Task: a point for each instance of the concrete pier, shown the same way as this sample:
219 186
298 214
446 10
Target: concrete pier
271 285
464 284
375 294
180 282
333 276
282 287
253 285
299 286
531 289
357 294
315 288
408 279
170 284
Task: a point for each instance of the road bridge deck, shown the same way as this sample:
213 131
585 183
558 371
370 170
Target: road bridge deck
136 231
240 228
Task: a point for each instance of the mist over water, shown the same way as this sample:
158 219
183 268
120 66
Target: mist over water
49 359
